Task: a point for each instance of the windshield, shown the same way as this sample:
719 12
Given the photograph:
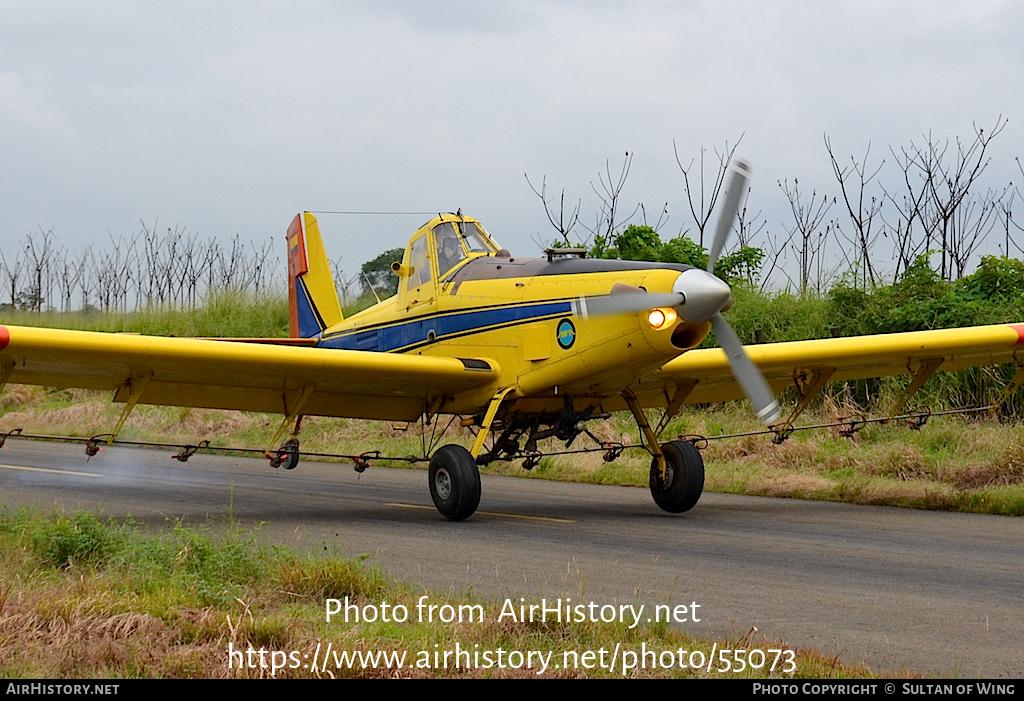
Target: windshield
474 238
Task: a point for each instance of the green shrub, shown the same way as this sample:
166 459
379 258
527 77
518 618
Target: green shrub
75 540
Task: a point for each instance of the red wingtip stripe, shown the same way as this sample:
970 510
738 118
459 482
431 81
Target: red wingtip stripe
1019 328
5 337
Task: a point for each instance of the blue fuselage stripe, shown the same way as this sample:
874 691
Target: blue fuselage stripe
416 332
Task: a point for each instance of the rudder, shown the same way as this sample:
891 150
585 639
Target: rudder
312 300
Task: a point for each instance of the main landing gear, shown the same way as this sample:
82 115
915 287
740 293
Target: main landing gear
676 476
454 482
677 471
287 456
681 487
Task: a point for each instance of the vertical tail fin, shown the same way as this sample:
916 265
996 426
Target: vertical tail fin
312 300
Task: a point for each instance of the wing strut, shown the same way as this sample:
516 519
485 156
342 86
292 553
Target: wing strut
5 374
1005 394
675 404
135 386
292 413
808 383
919 376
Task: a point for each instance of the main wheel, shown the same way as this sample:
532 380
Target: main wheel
684 479
454 482
289 454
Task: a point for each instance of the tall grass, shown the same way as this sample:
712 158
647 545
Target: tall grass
226 315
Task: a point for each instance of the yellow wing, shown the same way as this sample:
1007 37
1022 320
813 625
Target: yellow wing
230 375
704 375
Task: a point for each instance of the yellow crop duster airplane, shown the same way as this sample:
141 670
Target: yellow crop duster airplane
521 348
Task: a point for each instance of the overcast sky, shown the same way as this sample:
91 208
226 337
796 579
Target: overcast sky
229 117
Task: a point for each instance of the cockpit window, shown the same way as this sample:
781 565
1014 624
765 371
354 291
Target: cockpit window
420 263
449 250
475 240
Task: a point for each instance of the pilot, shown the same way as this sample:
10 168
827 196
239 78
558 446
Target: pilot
449 250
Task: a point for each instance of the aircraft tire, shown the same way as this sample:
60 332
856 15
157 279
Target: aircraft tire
685 483
454 482
290 454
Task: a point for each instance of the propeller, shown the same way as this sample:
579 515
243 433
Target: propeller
746 373
699 296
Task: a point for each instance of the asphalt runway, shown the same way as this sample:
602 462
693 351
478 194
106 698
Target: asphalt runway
893 588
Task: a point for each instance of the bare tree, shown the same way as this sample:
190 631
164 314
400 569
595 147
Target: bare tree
937 189
116 273
1010 225
263 267
660 222
193 270
811 240
776 250
70 272
233 268
908 207
143 270
748 226
12 273
39 253
975 219
86 276
862 209
563 223
702 199
343 283
606 220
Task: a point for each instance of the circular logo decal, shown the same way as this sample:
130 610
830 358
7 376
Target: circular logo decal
566 334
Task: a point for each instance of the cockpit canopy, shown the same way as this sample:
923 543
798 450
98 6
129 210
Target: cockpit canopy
440 246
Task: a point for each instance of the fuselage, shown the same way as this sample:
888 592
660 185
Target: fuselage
520 314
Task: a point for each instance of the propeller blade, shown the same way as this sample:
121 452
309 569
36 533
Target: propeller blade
624 303
738 177
746 373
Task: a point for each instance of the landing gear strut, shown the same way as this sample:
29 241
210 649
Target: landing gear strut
454 482
286 455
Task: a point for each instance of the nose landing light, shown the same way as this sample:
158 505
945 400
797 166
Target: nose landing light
661 318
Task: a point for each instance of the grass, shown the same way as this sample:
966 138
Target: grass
226 315
84 598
